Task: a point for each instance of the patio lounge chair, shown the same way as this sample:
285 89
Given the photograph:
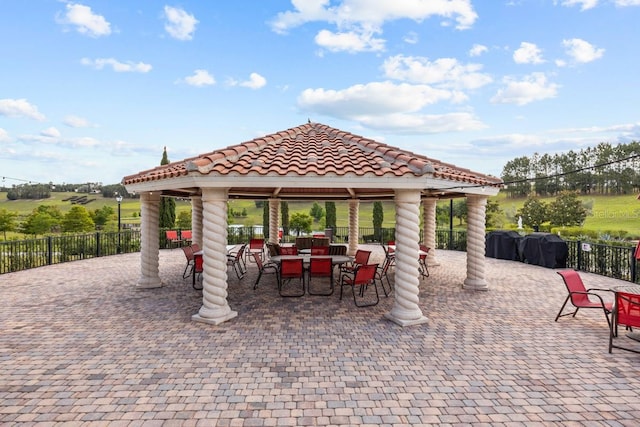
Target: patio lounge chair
579 296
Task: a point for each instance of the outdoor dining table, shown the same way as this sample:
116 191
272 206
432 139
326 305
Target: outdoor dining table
306 258
393 248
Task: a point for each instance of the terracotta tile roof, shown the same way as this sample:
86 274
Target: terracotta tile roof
312 149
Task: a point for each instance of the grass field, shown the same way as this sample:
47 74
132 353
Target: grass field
607 213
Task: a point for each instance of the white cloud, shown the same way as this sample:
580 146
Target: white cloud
85 21
443 72
4 136
356 21
582 51
180 24
528 53
584 4
52 136
371 98
389 106
117 66
623 3
51 132
533 87
478 50
256 81
411 38
423 123
200 78
349 41
19 108
76 122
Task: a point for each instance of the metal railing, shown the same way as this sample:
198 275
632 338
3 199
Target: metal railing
16 255
609 260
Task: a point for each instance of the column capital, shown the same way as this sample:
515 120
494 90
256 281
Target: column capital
407 196
215 194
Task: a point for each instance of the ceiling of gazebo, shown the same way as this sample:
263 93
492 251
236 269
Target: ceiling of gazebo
312 161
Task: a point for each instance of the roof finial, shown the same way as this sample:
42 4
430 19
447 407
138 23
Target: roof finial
308 120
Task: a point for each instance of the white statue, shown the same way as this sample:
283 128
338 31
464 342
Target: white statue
519 223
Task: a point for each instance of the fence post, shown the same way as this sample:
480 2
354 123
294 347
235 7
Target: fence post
633 265
579 255
49 250
97 243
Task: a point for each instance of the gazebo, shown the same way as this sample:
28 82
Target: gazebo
313 162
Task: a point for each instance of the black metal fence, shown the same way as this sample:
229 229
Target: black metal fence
609 260
16 255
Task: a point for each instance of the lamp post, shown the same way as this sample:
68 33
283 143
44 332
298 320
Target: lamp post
118 199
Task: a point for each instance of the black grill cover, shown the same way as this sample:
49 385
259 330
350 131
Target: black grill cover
503 244
544 249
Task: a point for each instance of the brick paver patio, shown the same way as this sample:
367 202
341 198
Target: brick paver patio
80 345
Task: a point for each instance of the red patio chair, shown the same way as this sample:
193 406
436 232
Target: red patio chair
288 250
198 268
188 253
291 270
383 273
365 276
579 296
626 312
267 267
320 250
185 236
256 246
422 261
320 267
361 258
172 238
236 261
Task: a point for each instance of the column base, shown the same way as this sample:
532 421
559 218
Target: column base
215 321
403 322
149 283
475 285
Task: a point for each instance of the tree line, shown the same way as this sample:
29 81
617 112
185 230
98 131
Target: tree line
604 169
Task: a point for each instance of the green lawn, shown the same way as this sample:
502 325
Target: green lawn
607 213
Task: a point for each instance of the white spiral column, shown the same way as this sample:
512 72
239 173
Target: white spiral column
405 309
150 241
274 219
196 219
215 307
430 223
354 230
476 212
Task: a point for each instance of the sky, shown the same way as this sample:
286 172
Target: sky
93 90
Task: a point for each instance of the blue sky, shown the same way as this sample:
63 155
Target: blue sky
93 90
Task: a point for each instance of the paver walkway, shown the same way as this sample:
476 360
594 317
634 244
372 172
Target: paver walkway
80 345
